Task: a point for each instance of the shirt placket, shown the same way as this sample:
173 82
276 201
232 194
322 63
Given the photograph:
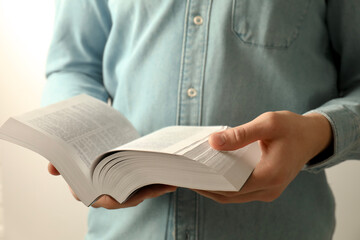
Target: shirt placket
191 83
193 62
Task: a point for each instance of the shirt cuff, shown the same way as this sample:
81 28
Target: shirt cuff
346 135
63 85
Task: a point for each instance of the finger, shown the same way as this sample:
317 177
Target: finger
238 137
147 192
268 195
52 170
240 198
144 193
154 191
108 202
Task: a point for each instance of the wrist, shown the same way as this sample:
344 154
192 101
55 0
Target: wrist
321 134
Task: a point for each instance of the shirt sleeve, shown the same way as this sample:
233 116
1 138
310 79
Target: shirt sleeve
74 64
343 113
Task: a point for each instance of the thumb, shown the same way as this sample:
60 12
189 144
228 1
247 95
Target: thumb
237 137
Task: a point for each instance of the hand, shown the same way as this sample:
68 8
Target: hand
287 140
108 202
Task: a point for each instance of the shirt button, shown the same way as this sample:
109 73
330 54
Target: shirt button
191 92
198 20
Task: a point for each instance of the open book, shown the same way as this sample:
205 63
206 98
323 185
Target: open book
98 151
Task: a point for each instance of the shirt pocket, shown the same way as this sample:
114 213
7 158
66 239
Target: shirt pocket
269 23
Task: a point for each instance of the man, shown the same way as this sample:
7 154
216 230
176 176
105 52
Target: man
230 62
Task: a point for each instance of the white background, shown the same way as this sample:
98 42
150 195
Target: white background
36 205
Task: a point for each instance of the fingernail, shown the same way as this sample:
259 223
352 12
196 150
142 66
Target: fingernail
219 139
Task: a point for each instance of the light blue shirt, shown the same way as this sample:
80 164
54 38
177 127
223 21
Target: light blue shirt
215 62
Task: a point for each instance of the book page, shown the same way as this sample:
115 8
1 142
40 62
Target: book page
76 174
172 139
88 125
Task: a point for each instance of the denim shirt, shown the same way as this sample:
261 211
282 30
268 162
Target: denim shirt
215 62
